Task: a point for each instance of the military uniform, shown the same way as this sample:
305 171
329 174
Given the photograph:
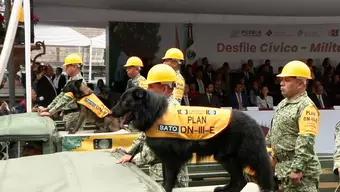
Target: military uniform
146 156
68 105
179 89
337 149
136 82
292 137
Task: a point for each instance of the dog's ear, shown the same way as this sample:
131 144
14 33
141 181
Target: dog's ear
139 93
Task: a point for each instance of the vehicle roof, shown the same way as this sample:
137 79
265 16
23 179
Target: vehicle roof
73 172
26 124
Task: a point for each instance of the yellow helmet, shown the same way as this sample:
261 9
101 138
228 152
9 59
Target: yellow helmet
21 14
72 59
296 69
134 61
174 53
161 73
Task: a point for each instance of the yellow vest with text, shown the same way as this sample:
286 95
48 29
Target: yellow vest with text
190 123
93 103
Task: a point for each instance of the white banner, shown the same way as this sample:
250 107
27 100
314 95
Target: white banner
325 141
238 43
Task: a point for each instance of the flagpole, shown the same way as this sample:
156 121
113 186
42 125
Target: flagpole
9 38
177 45
27 21
90 62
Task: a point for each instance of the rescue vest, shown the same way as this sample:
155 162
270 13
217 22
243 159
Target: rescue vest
190 123
93 103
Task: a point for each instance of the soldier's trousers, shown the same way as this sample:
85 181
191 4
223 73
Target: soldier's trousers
156 173
147 156
307 185
70 120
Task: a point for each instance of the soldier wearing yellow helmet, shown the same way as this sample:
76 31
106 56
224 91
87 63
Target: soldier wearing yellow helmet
133 66
72 64
174 58
161 79
64 102
295 126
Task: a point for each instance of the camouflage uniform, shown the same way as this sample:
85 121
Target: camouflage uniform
294 127
134 82
68 105
337 149
147 156
179 89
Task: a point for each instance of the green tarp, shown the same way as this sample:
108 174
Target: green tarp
26 124
73 172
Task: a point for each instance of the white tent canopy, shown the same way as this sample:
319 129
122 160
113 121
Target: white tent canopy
99 41
80 13
60 36
66 36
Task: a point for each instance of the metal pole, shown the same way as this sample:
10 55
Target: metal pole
9 38
90 62
27 16
11 79
19 148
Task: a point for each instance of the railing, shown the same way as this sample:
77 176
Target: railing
211 174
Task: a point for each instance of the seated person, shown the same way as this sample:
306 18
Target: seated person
264 101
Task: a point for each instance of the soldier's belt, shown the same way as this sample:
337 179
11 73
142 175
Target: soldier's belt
307 179
65 112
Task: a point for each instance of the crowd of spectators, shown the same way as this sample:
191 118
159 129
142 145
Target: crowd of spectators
252 85
255 85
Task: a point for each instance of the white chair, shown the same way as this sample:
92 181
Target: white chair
251 187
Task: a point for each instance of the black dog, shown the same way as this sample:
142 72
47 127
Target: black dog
80 90
240 145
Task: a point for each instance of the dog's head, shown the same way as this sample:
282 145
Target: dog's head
140 106
78 88
128 104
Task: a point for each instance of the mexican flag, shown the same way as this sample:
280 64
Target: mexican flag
190 52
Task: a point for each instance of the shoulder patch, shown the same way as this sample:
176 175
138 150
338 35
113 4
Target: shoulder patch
143 84
309 121
69 94
179 89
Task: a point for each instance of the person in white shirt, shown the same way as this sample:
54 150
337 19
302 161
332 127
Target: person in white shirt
264 101
59 79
